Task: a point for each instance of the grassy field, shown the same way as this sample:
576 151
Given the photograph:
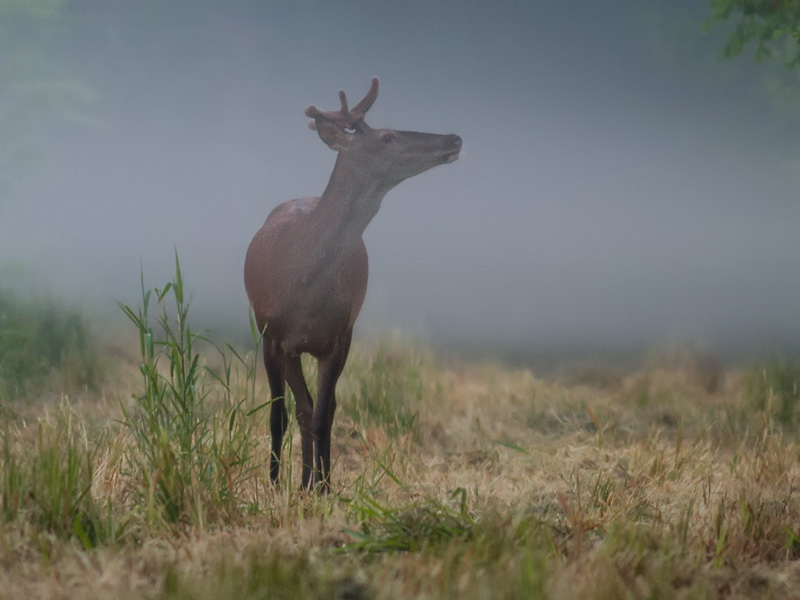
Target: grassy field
451 480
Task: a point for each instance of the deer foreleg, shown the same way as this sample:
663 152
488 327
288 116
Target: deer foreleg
304 405
330 369
278 417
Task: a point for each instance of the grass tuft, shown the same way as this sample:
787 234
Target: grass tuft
384 389
193 427
268 574
774 387
47 481
408 529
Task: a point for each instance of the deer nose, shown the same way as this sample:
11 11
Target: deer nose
453 141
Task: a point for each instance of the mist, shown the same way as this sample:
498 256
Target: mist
619 185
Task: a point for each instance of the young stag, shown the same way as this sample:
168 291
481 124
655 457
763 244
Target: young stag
306 268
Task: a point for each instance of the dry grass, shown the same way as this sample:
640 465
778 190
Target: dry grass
495 484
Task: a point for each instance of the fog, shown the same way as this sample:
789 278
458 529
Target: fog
619 184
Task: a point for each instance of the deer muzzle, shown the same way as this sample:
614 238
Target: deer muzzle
453 143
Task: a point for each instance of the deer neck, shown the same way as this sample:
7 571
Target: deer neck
347 206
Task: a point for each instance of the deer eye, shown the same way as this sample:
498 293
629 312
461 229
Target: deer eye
387 138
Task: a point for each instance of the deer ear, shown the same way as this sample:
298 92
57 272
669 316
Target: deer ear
334 136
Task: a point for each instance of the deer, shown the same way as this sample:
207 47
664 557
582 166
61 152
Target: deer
306 270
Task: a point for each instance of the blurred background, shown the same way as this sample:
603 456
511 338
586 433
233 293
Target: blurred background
620 186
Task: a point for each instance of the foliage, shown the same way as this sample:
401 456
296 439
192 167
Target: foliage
774 387
264 575
689 494
693 505
384 389
193 427
766 23
30 8
33 91
38 339
408 529
48 482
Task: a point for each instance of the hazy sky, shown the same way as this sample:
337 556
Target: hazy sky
617 183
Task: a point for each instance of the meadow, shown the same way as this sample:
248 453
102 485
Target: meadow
136 466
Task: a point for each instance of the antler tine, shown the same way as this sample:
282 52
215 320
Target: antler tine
312 112
343 100
367 101
345 116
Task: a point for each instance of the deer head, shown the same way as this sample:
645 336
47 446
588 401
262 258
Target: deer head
386 155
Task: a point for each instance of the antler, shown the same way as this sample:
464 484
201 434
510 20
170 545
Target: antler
344 116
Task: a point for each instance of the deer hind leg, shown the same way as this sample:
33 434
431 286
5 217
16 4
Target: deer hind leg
330 369
278 417
304 406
